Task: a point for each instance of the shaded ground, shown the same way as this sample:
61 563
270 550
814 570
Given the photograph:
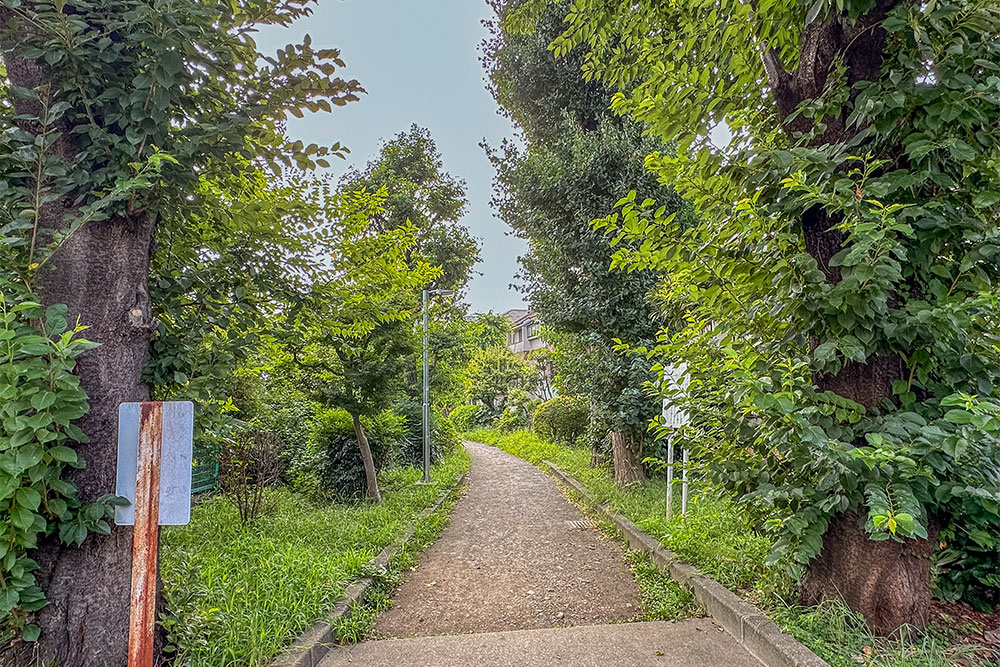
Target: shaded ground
691 643
968 626
510 559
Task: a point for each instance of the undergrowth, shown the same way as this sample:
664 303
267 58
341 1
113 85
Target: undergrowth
721 542
237 596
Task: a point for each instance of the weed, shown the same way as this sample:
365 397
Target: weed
238 595
722 543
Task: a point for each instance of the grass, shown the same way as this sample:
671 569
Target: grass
720 540
237 596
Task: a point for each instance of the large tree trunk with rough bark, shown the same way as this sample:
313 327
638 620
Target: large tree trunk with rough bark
628 468
101 273
371 477
888 582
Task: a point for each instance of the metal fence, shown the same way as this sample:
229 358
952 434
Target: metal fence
205 475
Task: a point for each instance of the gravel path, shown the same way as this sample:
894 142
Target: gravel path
509 559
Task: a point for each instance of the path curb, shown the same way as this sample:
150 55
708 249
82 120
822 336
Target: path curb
313 645
761 637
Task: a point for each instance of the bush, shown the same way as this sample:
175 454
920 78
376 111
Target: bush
523 404
249 463
445 432
468 417
444 436
562 419
510 421
331 465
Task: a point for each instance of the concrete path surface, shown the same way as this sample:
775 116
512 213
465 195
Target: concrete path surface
692 643
509 559
518 577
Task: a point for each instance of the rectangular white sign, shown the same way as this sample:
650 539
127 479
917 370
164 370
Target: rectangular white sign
677 379
175 462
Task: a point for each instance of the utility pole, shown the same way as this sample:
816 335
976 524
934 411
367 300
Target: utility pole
427 385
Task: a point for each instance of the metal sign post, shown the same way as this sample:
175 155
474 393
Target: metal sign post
154 474
427 384
675 415
670 476
684 483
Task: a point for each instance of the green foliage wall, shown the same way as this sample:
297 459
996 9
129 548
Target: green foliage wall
579 157
841 320
467 417
561 419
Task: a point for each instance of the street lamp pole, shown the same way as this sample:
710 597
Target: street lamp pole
427 391
427 404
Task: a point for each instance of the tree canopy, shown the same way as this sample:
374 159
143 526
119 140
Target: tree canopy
839 286
578 157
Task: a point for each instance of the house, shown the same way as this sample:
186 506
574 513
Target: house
525 332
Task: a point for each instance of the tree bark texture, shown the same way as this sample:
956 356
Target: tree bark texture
371 477
628 468
888 582
101 273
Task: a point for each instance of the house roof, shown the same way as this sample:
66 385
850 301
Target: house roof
518 316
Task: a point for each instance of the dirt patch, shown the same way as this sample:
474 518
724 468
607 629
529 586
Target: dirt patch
511 558
965 625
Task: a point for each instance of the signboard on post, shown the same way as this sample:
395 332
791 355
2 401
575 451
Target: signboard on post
175 462
674 414
154 473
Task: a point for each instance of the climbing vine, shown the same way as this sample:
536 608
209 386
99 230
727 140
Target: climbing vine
40 397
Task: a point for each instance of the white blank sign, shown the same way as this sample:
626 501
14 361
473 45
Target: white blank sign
674 414
175 462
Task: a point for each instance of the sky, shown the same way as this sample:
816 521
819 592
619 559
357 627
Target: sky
419 63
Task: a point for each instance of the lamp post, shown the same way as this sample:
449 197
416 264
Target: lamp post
427 385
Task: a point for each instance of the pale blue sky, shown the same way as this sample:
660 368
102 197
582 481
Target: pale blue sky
419 62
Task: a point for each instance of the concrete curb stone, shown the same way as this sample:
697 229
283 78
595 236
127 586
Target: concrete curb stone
746 623
313 645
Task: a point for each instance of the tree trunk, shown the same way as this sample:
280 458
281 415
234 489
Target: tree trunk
628 470
101 273
887 581
366 457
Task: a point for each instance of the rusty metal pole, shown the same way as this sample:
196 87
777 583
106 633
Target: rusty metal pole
145 537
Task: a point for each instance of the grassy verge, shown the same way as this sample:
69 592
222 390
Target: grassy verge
237 596
717 538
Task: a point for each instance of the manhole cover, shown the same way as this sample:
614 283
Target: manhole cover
581 523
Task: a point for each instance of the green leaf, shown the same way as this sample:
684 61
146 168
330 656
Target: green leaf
28 498
63 454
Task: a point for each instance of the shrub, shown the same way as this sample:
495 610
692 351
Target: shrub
562 419
332 465
509 421
444 436
468 417
445 432
523 404
248 464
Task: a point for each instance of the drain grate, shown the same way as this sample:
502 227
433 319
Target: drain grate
581 524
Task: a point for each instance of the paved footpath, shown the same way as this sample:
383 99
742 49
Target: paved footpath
513 568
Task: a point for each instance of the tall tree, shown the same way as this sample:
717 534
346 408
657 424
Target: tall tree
579 158
420 191
95 90
843 313
355 324
362 375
